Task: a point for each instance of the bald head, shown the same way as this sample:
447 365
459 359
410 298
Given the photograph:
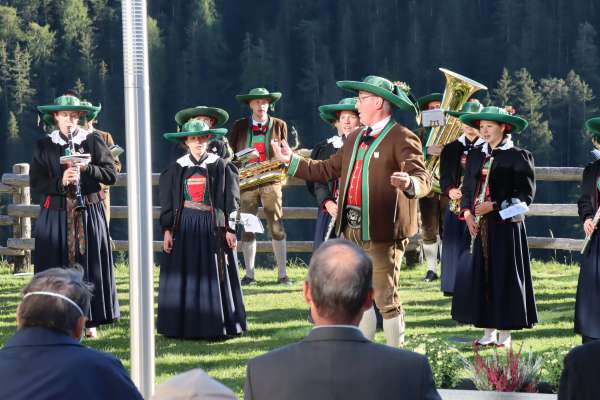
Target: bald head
339 280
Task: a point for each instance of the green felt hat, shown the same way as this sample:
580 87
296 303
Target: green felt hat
497 114
259 93
381 87
469 107
65 102
195 128
423 101
218 114
331 110
593 127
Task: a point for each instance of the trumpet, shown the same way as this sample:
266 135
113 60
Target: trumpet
481 199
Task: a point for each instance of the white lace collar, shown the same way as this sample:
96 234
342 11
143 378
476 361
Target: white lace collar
463 140
336 141
56 137
505 145
186 161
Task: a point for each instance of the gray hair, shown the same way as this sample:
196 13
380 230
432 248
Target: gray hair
339 277
54 312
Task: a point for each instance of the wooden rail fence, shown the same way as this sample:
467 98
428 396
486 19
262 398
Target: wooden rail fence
19 211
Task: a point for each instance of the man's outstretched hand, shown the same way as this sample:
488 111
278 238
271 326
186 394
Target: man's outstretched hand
281 151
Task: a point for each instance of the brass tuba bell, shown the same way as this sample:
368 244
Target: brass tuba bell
457 92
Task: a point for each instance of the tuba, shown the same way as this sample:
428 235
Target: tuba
458 91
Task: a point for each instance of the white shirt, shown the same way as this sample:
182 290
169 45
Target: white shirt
379 125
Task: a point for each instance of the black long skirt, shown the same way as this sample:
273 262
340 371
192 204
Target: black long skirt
51 250
323 220
501 297
587 303
195 299
456 241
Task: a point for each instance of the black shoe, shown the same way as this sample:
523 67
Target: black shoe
248 281
431 276
284 281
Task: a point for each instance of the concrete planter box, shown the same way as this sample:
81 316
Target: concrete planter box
448 394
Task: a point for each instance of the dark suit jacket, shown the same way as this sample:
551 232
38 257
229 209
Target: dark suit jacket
339 363
40 364
579 379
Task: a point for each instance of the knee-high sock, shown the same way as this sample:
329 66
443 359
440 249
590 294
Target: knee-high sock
249 250
368 323
393 330
280 251
431 255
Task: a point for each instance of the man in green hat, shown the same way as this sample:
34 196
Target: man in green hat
433 206
88 122
381 174
257 131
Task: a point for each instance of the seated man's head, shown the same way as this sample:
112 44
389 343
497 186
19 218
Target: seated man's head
338 287
57 299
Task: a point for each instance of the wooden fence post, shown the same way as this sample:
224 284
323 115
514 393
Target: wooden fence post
22 225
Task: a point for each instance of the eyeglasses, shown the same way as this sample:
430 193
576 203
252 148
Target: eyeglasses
361 99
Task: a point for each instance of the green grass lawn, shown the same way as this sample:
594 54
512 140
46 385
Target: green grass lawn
277 316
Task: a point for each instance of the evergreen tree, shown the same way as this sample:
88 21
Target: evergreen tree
40 42
505 90
530 103
12 127
21 91
10 30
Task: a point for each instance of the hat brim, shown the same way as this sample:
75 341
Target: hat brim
329 118
93 114
246 98
55 108
221 116
472 119
593 126
422 101
400 101
330 110
216 133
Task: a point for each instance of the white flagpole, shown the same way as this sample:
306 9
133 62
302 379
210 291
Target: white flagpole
139 193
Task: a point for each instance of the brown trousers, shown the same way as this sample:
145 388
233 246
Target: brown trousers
386 258
271 198
433 209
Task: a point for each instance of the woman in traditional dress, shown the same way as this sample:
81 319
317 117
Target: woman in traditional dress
344 118
496 292
199 294
453 160
69 231
587 303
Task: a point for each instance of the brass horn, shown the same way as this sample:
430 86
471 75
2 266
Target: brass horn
457 92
